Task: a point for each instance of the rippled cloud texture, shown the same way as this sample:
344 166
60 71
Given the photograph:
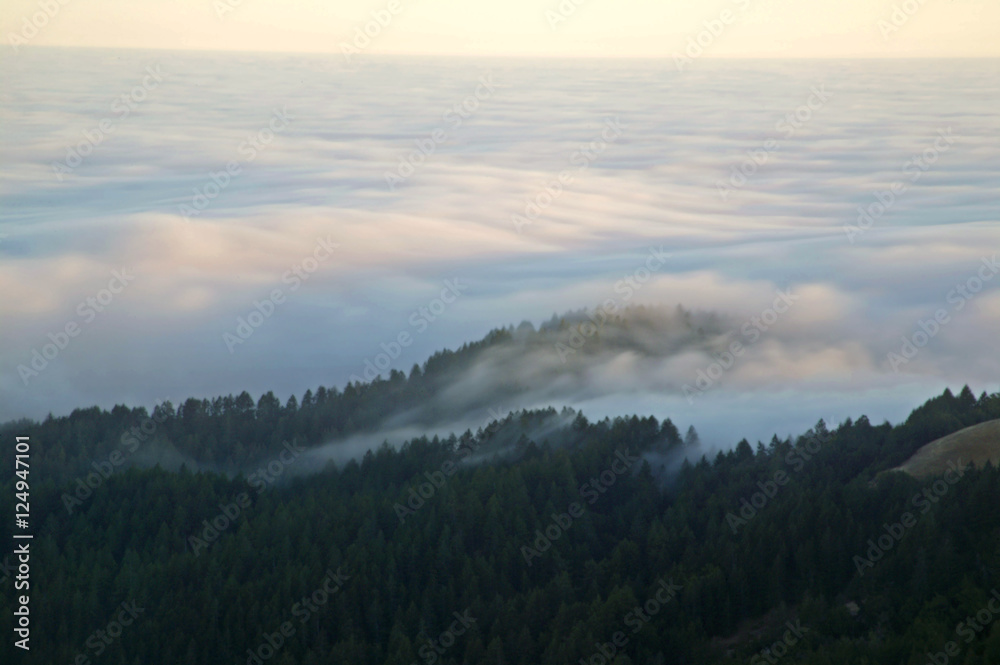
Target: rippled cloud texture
318 213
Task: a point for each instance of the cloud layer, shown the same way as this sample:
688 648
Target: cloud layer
749 176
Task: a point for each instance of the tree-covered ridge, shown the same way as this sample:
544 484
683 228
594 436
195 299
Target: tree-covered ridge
232 432
734 588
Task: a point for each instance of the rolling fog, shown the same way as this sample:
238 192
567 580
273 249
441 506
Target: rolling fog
321 203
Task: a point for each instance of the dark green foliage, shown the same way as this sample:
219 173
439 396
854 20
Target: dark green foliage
462 550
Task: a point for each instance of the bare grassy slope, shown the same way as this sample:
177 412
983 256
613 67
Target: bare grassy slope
975 444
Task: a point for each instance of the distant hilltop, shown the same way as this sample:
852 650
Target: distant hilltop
976 445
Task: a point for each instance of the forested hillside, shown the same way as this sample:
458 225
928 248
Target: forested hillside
233 432
543 538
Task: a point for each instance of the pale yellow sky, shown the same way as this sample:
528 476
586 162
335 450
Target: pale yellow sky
596 28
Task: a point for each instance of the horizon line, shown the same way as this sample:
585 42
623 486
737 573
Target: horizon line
364 56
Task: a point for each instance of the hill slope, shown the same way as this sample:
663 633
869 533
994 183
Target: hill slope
568 546
977 444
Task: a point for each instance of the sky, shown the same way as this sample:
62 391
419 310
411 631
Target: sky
566 28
